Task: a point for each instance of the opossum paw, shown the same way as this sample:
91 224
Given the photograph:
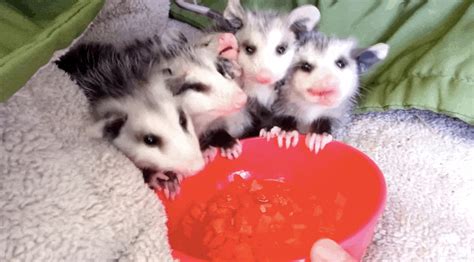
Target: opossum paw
169 184
232 152
209 154
317 142
269 134
171 189
290 138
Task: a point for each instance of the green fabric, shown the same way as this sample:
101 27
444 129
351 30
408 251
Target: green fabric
31 30
431 60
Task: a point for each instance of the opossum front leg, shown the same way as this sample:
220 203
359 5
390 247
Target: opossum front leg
230 147
284 130
169 182
319 135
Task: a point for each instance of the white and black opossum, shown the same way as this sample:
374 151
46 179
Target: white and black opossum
135 110
317 96
202 75
267 41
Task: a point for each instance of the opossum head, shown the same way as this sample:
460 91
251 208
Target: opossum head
267 41
153 131
203 76
325 70
134 110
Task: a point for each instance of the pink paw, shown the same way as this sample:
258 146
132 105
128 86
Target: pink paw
209 154
317 142
274 132
233 152
169 183
289 138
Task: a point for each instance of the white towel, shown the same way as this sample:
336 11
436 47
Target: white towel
65 196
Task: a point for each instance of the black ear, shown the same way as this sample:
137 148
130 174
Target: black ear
366 58
113 125
234 14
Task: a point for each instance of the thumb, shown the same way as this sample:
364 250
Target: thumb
326 250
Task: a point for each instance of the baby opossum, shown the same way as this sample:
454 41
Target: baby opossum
202 75
267 44
136 112
319 91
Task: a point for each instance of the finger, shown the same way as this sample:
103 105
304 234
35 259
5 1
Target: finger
328 250
288 140
317 143
296 139
280 139
326 140
162 176
310 141
167 192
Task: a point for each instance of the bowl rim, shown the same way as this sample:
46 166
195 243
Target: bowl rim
346 241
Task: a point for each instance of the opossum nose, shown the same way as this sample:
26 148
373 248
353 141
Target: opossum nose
227 46
264 77
240 100
327 81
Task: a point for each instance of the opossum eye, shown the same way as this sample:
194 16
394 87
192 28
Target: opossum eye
306 67
198 87
281 49
152 140
250 49
183 122
341 63
167 71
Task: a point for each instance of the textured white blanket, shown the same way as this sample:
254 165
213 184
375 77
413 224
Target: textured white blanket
64 196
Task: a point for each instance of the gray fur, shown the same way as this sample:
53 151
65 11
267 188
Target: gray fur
290 103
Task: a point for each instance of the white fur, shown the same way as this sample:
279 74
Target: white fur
266 58
238 122
345 80
219 100
180 153
380 50
307 13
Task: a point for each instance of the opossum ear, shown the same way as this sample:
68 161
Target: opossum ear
368 57
303 19
234 13
108 127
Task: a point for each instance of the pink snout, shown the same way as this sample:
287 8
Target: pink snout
264 77
327 81
227 46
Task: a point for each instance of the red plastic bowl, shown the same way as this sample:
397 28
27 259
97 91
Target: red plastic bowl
337 168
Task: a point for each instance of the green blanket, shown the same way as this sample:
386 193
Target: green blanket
431 61
31 30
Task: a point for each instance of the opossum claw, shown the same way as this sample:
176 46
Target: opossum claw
316 142
292 139
233 152
209 154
